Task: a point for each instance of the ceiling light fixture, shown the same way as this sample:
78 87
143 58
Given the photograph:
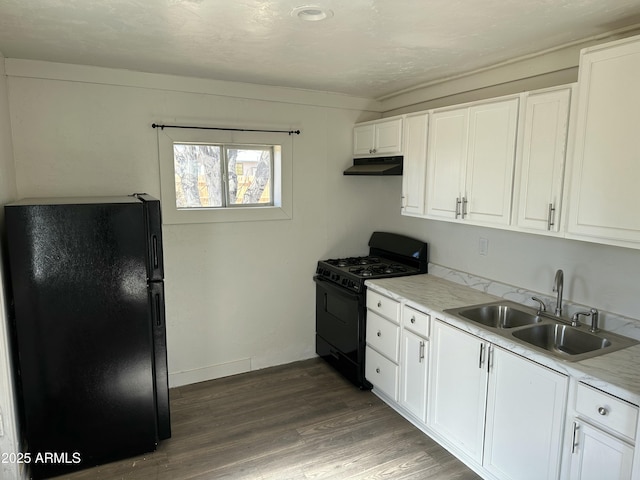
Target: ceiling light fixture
311 13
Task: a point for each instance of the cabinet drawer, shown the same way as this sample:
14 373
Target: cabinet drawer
384 306
416 321
383 335
606 410
382 372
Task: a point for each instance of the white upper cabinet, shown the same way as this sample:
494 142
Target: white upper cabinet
446 161
606 164
380 137
491 156
541 159
414 163
470 161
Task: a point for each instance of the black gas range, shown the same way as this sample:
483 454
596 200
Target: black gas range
341 297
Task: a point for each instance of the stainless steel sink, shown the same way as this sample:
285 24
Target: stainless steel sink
498 315
544 333
562 339
572 343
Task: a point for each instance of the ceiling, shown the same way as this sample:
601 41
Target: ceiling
369 48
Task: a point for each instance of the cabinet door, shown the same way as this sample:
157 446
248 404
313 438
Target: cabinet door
542 159
525 415
413 389
446 160
363 139
388 137
491 158
415 164
457 388
606 169
596 455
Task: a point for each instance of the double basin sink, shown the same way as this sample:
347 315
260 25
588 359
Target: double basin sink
541 332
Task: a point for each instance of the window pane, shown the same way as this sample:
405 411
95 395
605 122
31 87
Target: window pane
198 175
250 175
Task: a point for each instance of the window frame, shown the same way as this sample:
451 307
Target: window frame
282 174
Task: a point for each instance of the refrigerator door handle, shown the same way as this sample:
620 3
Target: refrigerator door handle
153 218
154 243
156 300
157 303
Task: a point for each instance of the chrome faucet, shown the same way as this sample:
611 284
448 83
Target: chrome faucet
557 287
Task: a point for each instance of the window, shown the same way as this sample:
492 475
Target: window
220 176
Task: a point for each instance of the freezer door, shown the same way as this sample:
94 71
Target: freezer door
156 307
153 220
84 339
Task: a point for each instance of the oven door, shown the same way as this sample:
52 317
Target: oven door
339 315
340 330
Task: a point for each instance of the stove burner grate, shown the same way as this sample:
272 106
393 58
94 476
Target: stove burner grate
378 269
351 261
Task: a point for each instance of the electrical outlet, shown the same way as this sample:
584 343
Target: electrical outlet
483 246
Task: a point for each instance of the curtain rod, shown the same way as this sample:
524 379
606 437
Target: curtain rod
162 127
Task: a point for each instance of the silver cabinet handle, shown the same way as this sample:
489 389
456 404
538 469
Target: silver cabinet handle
481 359
421 352
489 357
458 202
379 304
574 441
413 319
603 411
464 207
550 216
377 370
379 333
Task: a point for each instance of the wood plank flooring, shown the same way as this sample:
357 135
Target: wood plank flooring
300 421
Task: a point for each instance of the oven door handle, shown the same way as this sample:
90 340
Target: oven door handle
337 289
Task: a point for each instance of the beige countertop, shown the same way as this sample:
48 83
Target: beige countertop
617 372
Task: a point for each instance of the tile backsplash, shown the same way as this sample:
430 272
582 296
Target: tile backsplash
612 322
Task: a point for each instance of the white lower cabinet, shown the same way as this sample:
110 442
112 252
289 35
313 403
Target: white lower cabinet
596 455
382 352
457 392
603 432
526 405
504 412
505 416
414 362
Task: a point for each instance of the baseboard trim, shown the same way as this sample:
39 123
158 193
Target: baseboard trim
211 372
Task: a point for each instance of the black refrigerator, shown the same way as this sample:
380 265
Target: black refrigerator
88 329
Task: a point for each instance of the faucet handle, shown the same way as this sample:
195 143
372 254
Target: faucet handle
575 319
594 320
541 306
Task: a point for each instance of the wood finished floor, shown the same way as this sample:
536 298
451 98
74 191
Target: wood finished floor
300 421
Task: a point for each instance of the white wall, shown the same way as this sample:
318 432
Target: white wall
238 295
8 442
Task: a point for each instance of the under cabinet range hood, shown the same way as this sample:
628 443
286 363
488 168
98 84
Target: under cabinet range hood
376 166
